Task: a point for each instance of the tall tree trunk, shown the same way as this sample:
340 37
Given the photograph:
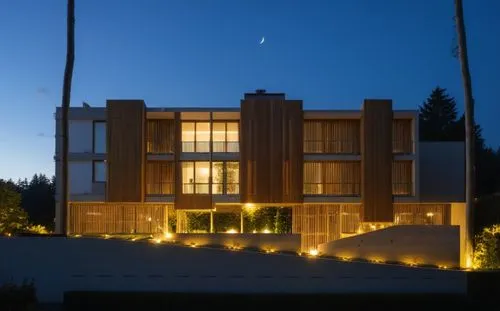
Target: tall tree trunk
469 132
66 96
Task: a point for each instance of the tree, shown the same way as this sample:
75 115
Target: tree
68 76
12 218
37 199
469 129
437 116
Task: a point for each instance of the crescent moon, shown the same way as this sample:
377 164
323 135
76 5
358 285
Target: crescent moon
262 40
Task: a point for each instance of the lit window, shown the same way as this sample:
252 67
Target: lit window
99 137
195 177
202 137
99 171
217 177
225 137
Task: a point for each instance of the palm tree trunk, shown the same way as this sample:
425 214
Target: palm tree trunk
66 96
469 132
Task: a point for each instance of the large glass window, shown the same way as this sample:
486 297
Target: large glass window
99 137
195 136
160 178
160 136
99 171
195 177
225 137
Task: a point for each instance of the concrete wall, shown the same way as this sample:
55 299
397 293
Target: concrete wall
80 136
80 177
278 242
59 264
442 172
435 245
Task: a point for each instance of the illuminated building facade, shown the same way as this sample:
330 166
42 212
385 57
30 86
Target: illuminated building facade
329 174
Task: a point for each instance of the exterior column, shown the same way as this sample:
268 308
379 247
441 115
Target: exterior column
211 222
241 222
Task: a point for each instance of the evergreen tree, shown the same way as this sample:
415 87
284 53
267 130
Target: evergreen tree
12 217
437 116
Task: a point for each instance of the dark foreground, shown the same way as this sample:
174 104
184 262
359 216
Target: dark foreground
483 292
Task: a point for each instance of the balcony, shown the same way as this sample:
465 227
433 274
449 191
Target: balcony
204 146
333 189
402 189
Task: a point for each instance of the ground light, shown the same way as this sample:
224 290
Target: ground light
313 252
266 231
168 235
232 231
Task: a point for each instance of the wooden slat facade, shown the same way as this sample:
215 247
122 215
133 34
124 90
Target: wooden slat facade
160 136
332 136
402 136
337 178
321 223
160 178
126 150
376 155
116 218
271 154
402 178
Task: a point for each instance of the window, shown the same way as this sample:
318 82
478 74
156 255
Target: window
402 178
99 171
195 137
160 136
99 137
195 177
340 178
225 177
332 136
160 178
225 137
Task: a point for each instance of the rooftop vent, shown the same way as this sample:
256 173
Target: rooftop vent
260 91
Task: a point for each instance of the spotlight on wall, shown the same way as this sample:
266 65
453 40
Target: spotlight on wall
313 252
232 231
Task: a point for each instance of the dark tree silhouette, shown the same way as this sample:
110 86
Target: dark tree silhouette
437 116
68 76
37 199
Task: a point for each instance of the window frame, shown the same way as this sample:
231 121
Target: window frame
94 180
94 122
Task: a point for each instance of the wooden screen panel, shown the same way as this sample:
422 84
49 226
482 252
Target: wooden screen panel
126 150
160 136
402 178
116 218
271 156
342 178
321 223
160 178
402 136
376 162
332 136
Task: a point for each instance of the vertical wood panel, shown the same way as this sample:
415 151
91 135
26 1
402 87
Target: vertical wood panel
376 158
271 156
402 136
126 150
402 178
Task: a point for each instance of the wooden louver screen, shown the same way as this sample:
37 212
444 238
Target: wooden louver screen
160 136
160 178
332 136
402 138
402 179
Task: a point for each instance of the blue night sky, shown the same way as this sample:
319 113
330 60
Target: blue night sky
331 54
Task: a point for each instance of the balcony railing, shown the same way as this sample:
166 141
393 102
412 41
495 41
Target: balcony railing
403 146
228 188
402 189
164 188
204 146
332 189
331 146
197 188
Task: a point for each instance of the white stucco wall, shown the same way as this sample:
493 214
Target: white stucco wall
415 244
60 264
80 177
80 136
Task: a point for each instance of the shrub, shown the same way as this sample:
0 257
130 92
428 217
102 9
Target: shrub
487 252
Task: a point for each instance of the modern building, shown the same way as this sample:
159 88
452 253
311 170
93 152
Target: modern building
140 170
